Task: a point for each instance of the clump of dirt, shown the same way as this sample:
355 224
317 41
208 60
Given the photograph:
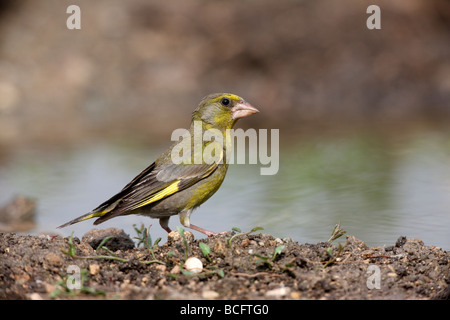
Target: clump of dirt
235 266
18 215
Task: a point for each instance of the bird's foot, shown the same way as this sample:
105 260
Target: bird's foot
208 233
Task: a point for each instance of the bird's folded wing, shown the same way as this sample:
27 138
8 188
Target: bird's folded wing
154 184
167 181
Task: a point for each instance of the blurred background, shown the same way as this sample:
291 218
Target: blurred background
363 114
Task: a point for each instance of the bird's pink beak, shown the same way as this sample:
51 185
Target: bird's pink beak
243 109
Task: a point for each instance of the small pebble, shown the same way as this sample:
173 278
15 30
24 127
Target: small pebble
278 293
35 296
175 270
175 237
94 269
54 259
209 295
194 265
161 268
278 240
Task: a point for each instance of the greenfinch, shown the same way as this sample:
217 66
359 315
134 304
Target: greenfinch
167 188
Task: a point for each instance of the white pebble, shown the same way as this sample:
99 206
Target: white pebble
209 295
278 240
278 293
194 265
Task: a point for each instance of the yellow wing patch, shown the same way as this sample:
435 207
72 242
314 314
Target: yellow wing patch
94 215
167 191
101 213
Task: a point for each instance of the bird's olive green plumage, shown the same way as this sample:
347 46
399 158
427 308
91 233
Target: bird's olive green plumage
166 188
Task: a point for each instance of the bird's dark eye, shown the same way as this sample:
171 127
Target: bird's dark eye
225 101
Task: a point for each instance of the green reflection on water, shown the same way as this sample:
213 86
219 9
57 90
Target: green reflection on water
379 186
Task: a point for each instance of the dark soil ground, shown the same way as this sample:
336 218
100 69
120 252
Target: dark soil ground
247 266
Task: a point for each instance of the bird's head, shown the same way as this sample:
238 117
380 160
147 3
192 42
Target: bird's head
222 110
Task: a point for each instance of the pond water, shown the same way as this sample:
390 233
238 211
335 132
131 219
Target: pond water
379 186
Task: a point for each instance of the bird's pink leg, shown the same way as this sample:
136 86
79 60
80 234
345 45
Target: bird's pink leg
208 233
164 223
184 219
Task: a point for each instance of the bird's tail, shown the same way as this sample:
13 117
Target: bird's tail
99 212
86 216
